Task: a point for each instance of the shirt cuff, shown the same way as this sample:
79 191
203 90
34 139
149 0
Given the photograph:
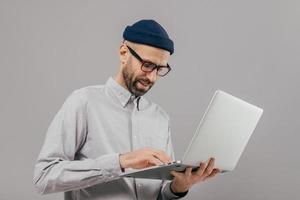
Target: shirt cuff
170 194
110 163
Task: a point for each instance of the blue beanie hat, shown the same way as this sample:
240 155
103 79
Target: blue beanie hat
149 32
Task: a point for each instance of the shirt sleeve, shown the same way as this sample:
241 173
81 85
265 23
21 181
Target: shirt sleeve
56 168
166 193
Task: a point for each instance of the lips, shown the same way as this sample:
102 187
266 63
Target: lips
144 83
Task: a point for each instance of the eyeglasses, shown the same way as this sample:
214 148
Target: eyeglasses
148 66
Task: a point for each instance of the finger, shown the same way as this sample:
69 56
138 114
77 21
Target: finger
210 167
176 174
188 171
166 156
161 155
153 161
213 173
201 169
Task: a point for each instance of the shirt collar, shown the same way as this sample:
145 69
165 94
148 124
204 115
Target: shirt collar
123 95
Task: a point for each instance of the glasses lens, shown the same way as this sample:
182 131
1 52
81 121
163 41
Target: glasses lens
162 71
148 67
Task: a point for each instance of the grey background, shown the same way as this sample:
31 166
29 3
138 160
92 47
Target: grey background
247 48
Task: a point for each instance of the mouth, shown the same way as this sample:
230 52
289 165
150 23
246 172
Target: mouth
144 83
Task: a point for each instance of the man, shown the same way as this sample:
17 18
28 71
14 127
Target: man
102 131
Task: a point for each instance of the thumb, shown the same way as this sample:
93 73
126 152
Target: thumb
174 173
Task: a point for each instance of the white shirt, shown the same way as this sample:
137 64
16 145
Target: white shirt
80 155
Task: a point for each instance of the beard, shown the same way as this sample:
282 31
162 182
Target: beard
132 82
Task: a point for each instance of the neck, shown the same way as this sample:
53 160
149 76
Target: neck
119 79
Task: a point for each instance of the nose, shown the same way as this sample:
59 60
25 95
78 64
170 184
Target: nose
152 75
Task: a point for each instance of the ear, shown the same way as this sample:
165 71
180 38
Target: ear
123 53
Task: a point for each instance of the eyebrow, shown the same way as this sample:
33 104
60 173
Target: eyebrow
147 60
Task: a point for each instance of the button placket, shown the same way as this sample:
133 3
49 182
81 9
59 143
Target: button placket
135 144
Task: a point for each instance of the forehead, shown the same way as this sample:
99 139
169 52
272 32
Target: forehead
152 54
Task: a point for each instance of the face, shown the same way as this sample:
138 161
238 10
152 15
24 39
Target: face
132 77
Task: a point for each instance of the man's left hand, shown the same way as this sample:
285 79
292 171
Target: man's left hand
184 180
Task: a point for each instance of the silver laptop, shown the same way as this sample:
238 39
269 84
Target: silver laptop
223 133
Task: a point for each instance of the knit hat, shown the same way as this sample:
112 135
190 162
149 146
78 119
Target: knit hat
149 32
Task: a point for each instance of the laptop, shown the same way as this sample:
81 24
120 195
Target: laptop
222 133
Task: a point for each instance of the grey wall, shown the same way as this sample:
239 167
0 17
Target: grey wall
247 48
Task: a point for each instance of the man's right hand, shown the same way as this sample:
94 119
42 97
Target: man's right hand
143 158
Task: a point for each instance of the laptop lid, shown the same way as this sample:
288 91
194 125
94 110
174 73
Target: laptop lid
223 132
